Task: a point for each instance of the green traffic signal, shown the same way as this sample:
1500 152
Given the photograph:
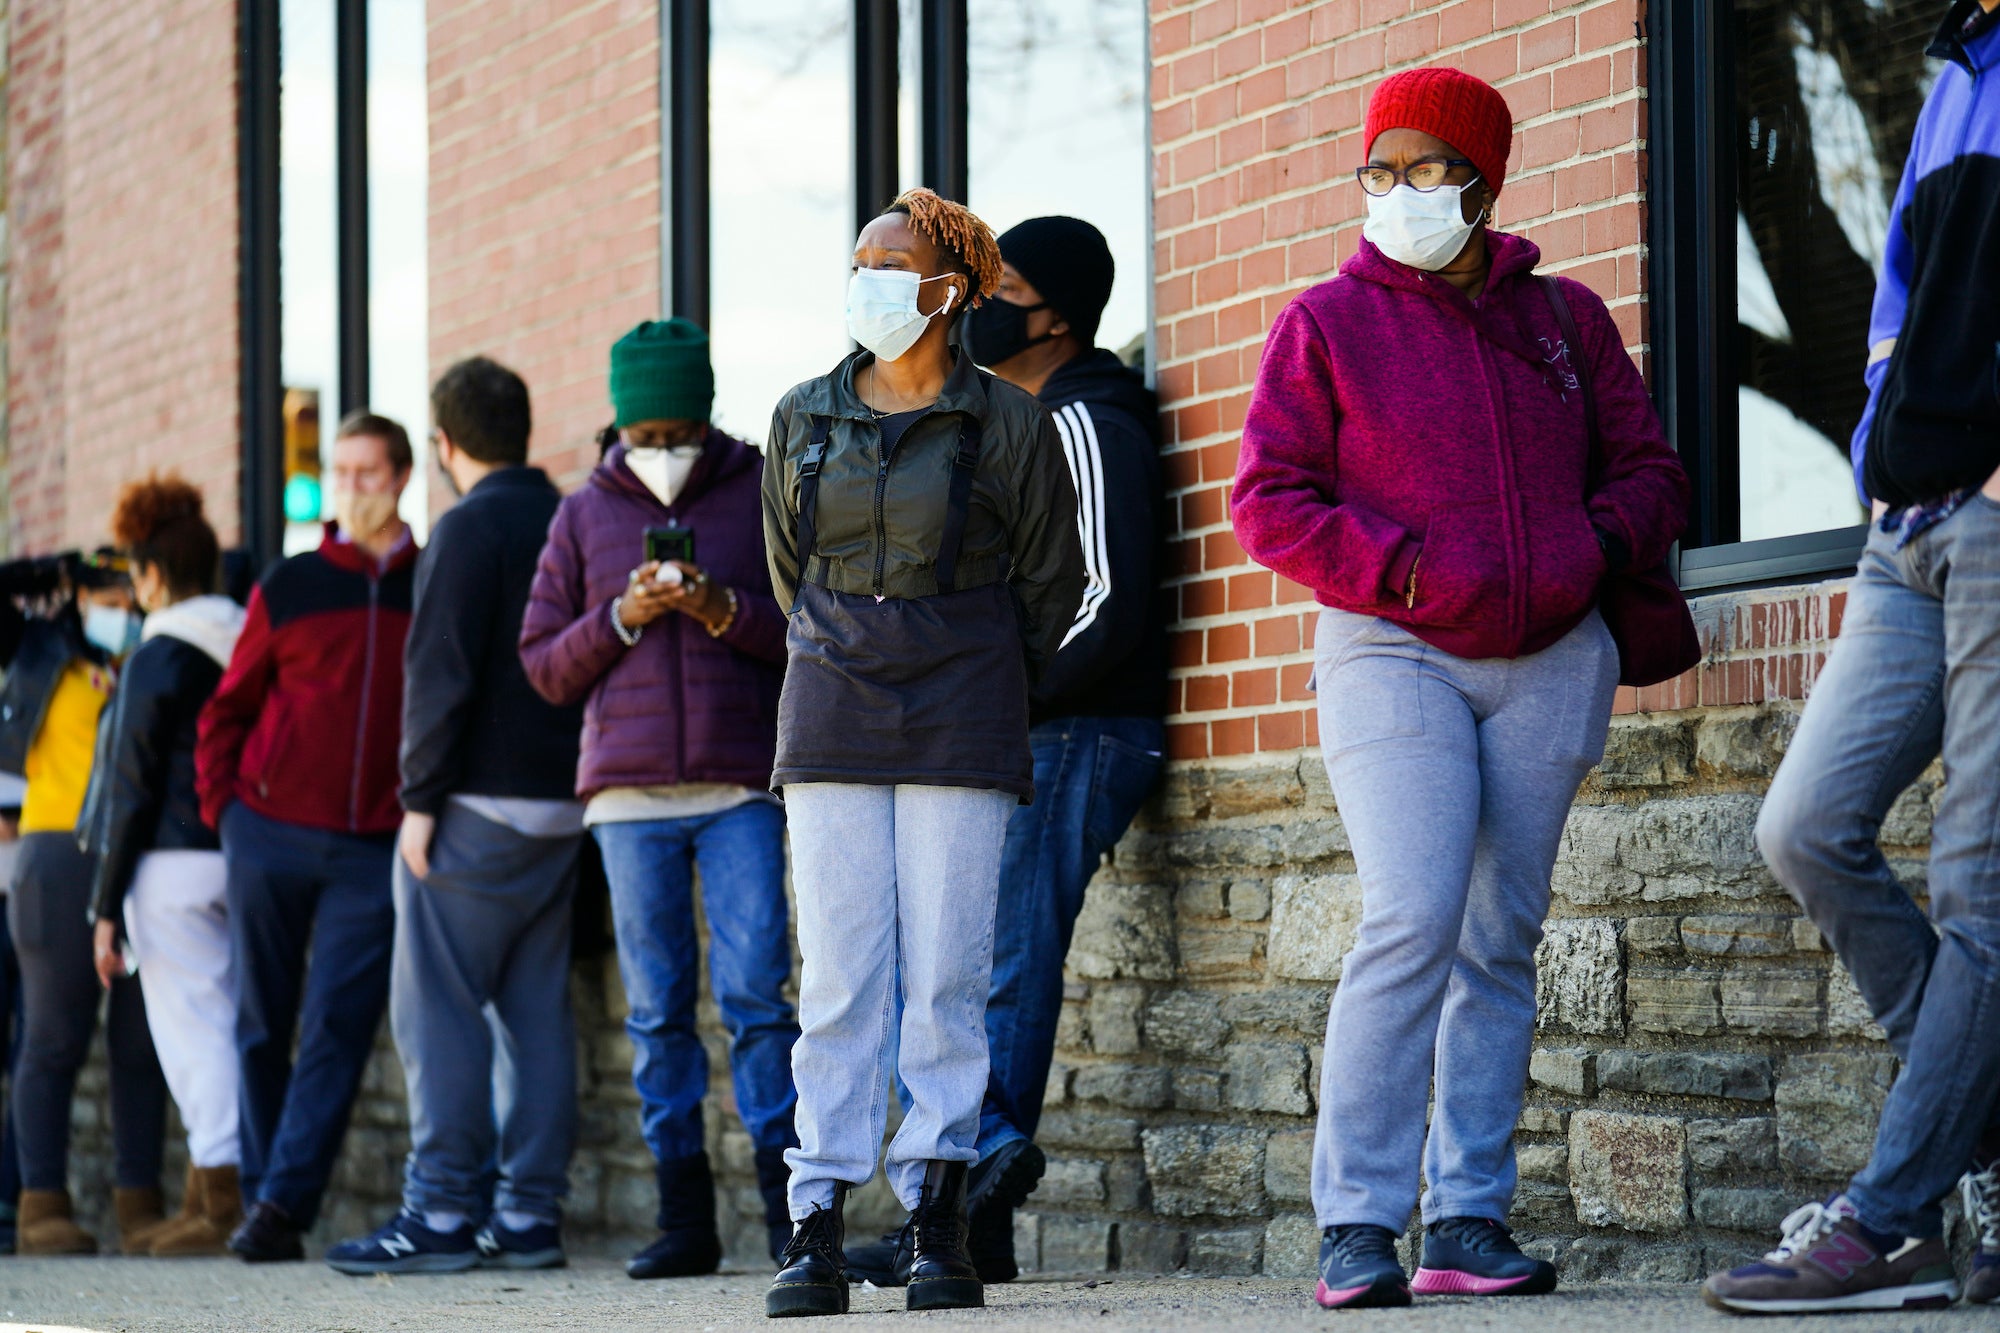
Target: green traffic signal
302 499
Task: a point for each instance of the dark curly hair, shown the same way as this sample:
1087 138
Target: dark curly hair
159 522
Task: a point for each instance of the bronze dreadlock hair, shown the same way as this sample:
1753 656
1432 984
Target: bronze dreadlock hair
956 230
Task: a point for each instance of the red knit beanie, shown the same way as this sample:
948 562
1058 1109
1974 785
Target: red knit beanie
1466 112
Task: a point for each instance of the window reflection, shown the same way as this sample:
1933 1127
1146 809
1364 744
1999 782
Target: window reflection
308 253
780 154
1827 95
398 177
1057 103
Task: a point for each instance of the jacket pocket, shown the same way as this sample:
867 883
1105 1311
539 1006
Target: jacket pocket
1565 563
1462 575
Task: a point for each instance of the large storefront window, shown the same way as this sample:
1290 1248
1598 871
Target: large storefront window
1782 130
782 230
1058 125
815 114
352 296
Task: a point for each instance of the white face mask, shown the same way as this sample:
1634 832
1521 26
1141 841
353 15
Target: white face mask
882 313
1424 229
112 628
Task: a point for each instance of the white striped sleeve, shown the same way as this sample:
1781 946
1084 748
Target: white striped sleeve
1086 470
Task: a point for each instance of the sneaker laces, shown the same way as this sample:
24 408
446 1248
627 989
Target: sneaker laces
1481 1235
1363 1241
1979 1191
813 1235
1803 1229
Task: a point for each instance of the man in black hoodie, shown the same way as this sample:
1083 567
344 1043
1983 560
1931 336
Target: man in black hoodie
1097 716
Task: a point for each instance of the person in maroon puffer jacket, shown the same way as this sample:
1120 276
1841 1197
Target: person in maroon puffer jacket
679 664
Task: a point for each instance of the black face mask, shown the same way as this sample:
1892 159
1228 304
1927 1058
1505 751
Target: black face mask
998 331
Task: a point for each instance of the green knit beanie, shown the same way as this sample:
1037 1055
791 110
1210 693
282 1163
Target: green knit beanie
660 372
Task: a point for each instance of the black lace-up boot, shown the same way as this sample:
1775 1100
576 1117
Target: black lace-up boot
941 1273
812 1275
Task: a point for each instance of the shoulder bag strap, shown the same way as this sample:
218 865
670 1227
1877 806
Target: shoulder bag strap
958 501
807 532
1573 339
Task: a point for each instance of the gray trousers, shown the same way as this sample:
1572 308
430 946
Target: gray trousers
1916 671
1454 778
479 1002
891 881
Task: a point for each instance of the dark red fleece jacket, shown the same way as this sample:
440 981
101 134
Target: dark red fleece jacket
1396 424
305 724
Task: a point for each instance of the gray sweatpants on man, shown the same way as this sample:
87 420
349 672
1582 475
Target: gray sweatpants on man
1454 778
486 933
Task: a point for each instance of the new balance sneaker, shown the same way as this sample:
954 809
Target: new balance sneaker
1828 1261
1475 1256
405 1245
537 1246
1358 1268
1980 1191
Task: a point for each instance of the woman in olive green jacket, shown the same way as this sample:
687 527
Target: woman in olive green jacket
921 526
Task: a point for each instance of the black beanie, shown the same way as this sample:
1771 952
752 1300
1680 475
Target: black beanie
1068 262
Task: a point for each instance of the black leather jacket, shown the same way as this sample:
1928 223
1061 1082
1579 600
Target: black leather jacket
34 650
142 794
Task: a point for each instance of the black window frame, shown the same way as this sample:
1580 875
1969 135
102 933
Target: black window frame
260 290
1691 307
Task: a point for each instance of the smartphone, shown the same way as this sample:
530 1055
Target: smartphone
672 542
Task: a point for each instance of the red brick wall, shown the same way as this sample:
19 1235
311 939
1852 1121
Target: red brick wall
123 306
1257 114
545 198
35 221
149 285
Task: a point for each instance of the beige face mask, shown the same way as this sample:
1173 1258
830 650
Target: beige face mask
362 515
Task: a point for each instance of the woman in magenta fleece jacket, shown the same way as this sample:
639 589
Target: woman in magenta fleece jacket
1416 454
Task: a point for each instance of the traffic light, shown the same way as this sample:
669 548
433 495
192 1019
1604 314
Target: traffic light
302 499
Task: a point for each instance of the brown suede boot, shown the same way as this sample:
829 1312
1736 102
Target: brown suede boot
205 1232
142 1216
47 1226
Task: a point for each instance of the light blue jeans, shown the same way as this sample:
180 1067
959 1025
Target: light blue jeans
1454 778
890 879
1916 671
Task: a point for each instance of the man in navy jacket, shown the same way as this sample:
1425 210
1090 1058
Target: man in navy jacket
486 872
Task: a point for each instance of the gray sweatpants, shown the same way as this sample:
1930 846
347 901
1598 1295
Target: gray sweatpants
893 882
1454 778
487 931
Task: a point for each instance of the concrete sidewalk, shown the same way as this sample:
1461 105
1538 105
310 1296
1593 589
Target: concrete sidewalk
167 1297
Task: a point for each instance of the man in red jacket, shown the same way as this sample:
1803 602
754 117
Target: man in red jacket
296 767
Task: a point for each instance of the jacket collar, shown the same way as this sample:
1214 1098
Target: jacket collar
520 476
834 395
1514 260
210 623
340 552
1966 21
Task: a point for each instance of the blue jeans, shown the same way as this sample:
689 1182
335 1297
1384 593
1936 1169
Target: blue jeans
311 926
650 865
1091 776
1916 671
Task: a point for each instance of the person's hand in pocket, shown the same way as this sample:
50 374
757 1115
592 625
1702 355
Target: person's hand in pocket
414 842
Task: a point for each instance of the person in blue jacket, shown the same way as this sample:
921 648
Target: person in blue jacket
1916 673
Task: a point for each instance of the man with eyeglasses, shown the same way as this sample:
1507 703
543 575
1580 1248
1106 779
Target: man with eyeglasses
653 608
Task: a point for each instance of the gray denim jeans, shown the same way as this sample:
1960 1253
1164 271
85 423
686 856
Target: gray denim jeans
1454 778
1916 670
890 879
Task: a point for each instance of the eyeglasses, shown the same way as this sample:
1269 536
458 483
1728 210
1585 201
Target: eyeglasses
1422 176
